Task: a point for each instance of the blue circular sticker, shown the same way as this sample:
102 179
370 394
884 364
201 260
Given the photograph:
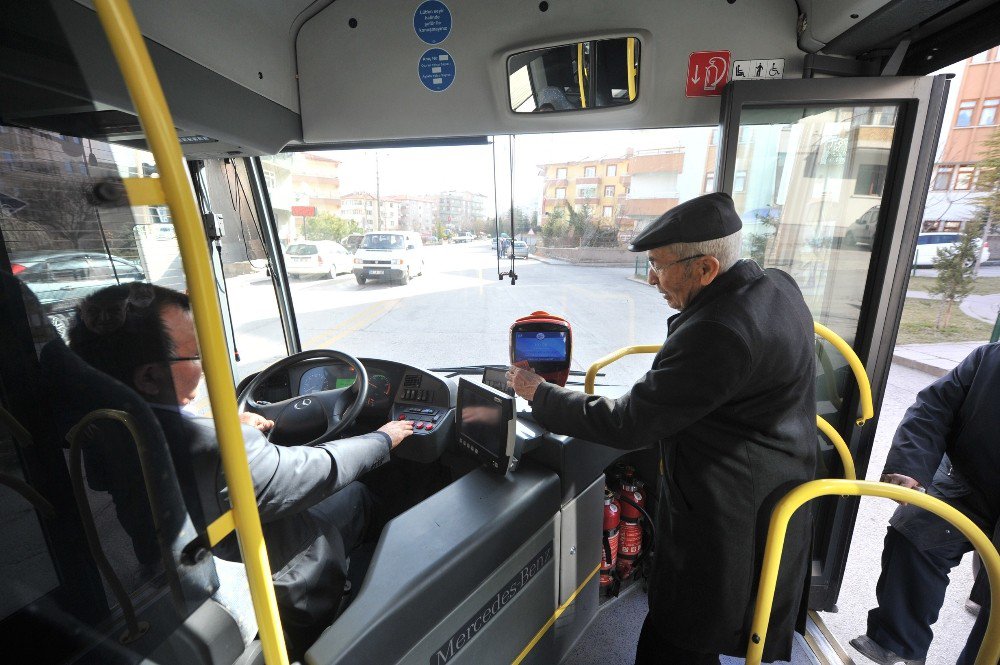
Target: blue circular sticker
432 21
436 69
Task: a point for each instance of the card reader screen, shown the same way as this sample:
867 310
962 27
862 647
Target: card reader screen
480 421
540 346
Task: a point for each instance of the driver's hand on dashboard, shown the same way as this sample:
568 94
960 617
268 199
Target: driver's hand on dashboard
397 430
256 420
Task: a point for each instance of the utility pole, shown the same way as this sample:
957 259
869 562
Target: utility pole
378 197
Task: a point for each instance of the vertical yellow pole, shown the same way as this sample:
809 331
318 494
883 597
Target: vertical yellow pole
579 75
133 59
630 56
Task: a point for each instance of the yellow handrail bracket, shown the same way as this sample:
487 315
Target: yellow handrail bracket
860 375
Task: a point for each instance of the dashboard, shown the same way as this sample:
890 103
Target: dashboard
395 391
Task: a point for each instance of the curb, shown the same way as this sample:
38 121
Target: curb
913 363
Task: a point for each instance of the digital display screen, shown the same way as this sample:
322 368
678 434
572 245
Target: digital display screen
480 420
539 346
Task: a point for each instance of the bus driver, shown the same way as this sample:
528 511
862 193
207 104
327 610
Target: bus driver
313 514
730 402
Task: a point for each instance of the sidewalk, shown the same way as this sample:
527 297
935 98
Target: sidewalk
934 359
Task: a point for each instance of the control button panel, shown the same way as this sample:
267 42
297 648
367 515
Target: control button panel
425 419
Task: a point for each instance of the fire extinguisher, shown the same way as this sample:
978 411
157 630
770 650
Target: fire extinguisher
609 552
632 498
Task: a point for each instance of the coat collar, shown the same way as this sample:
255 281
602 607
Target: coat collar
743 272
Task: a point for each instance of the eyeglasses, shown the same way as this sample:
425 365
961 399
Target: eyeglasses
180 359
659 269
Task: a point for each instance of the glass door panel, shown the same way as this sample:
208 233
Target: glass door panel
829 177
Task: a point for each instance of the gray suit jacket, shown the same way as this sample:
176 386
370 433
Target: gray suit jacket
300 501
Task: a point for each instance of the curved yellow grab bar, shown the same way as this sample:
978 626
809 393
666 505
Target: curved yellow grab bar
579 74
838 442
588 382
133 59
864 386
989 652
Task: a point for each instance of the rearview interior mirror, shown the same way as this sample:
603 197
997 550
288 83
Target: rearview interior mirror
573 77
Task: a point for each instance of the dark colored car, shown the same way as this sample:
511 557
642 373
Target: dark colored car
60 280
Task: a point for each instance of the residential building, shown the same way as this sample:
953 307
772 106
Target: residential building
461 210
370 214
315 182
416 213
954 195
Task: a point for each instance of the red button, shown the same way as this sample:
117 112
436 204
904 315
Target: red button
402 416
419 425
429 426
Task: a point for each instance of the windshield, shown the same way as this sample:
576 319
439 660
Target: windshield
382 241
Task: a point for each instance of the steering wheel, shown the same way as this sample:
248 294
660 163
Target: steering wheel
314 418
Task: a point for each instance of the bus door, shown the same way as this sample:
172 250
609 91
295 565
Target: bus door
809 162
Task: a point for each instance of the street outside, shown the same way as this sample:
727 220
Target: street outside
458 313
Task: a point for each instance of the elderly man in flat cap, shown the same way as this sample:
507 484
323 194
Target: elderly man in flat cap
730 403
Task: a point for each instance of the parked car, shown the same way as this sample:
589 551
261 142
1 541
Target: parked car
393 255
317 259
61 279
430 240
463 237
862 230
928 245
519 249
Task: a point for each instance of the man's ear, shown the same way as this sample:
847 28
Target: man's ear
148 379
708 270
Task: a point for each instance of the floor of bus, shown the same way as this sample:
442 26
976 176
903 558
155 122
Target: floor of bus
614 633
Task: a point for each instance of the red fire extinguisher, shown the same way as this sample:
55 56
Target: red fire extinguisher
632 499
609 552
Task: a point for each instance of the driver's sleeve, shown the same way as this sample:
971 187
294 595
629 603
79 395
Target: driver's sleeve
288 479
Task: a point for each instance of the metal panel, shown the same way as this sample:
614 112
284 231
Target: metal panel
582 521
337 63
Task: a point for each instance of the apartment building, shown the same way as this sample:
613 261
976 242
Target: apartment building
370 213
460 209
954 192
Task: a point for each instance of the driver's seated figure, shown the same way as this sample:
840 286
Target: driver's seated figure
313 513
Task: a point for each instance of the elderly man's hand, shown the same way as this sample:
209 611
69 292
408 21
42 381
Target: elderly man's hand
397 430
256 420
523 381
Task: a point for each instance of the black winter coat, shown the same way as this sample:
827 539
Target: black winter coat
730 400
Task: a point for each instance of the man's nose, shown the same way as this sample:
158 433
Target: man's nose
651 277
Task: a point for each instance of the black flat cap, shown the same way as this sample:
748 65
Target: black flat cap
704 218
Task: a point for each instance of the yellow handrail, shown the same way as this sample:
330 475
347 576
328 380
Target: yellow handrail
579 74
838 442
989 652
864 386
630 56
588 382
133 59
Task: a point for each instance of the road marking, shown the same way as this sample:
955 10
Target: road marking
355 323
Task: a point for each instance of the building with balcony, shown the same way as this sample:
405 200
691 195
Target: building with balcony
598 185
370 213
975 116
461 210
315 182
416 213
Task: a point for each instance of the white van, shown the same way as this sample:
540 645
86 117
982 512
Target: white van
394 255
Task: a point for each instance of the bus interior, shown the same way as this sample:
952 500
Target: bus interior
811 114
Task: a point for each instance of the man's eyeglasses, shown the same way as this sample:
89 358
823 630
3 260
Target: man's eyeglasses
659 269
181 359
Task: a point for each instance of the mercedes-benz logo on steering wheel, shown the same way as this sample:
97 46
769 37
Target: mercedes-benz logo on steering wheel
304 403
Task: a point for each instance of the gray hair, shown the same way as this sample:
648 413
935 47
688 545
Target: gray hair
726 249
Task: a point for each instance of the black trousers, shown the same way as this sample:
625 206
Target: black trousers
654 649
910 593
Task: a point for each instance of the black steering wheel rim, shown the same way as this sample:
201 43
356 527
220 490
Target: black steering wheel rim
336 422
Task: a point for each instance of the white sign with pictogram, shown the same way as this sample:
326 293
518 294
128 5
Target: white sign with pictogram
758 70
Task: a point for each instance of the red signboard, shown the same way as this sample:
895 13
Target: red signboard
303 211
707 73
